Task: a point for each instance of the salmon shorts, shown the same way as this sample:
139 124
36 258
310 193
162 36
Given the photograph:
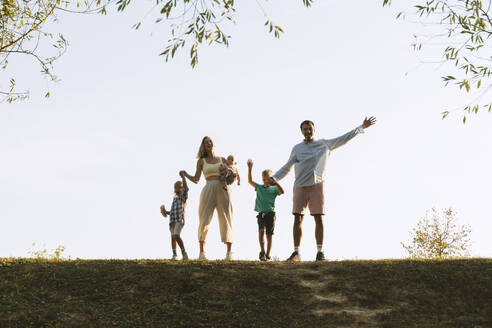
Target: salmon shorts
312 197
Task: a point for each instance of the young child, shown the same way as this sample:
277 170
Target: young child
177 216
265 206
229 172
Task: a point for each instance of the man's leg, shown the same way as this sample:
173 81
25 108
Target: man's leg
317 209
297 233
318 233
297 230
319 230
300 201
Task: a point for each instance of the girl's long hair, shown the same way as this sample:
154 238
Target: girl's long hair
202 152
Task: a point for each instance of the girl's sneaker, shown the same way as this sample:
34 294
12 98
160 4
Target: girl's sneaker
185 255
202 256
175 257
228 256
268 258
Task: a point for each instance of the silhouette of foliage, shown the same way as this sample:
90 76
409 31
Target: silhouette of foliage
462 28
438 236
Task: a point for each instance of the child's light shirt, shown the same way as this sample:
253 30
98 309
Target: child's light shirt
265 198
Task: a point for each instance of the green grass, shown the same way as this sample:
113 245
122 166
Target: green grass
118 293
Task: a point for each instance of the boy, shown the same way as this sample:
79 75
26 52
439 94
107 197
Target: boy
176 216
229 172
265 206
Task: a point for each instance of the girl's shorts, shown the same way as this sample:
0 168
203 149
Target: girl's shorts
176 227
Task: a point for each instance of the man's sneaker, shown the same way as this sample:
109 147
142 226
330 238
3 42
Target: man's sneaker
175 257
320 256
295 257
185 255
202 256
267 258
228 256
262 256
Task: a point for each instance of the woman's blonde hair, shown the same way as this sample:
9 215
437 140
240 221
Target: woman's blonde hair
267 173
202 152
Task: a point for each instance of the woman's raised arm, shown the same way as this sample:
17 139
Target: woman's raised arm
195 178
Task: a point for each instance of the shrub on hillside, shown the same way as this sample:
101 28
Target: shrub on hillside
438 236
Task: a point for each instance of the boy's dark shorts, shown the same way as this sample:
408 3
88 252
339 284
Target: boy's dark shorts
266 220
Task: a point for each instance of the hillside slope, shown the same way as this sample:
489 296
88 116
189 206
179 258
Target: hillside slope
118 293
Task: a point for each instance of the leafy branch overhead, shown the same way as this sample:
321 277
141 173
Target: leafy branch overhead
23 34
196 22
464 28
191 22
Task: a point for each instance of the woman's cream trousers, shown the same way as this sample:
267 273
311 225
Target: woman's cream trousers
214 197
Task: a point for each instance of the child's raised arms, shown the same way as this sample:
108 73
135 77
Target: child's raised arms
250 177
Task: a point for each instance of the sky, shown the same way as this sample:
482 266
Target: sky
88 168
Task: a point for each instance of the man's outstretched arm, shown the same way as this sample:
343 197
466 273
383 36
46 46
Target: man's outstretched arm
284 170
342 140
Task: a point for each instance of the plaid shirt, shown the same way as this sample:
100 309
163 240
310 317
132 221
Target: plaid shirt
178 206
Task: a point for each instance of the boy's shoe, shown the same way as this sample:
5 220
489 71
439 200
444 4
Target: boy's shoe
202 256
294 257
175 257
228 256
262 256
185 255
320 256
267 258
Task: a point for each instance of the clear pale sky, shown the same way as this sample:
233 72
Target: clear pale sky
89 167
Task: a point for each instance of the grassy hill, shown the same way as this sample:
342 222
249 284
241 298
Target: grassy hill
117 293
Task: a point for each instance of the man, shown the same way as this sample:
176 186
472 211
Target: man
309 160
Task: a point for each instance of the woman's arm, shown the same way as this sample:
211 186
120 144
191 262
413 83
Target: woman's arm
198 173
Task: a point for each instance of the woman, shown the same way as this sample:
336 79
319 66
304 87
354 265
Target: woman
213 196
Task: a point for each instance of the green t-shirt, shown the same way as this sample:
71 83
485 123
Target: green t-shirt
265 198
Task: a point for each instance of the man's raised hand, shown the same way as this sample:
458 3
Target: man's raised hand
368 122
